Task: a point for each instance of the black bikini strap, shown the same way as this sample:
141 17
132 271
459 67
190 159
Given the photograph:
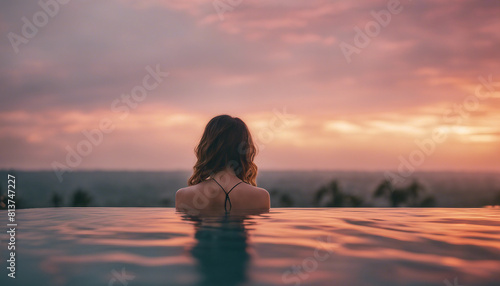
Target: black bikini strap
227 194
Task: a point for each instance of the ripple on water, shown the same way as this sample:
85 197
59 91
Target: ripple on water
88 246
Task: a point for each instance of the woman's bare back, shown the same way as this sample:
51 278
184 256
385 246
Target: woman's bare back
211 195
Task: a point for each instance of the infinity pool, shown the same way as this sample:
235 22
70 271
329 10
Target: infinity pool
341 246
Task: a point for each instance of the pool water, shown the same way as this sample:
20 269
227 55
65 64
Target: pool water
334 246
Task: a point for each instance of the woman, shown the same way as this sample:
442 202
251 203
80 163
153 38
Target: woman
224 176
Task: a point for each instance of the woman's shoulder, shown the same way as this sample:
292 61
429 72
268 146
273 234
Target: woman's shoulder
189 190
257 191
185 196
260 190
186 193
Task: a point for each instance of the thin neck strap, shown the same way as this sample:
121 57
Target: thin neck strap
227 194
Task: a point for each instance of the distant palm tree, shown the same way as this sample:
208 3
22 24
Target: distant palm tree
403 195
286 201
336 197
56 200
81 198
281 199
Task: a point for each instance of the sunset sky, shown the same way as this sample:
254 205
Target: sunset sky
433 67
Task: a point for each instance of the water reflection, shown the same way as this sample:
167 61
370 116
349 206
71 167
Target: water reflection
221 246
371 246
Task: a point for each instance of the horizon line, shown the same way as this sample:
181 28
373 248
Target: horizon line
260 170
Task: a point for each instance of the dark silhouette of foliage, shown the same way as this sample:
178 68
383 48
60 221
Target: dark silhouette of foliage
3 202
286 201
428 201
496 200
4 198
166 202
408 195
353 201
335 197
81 198
274 196
279 199
56 200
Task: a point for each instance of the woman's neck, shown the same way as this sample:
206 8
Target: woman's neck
227 175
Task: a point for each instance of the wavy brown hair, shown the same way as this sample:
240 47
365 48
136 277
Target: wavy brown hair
226 143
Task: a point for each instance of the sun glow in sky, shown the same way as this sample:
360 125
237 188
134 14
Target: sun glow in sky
431 71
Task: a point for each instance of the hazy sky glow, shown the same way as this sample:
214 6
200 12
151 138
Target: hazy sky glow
419 75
